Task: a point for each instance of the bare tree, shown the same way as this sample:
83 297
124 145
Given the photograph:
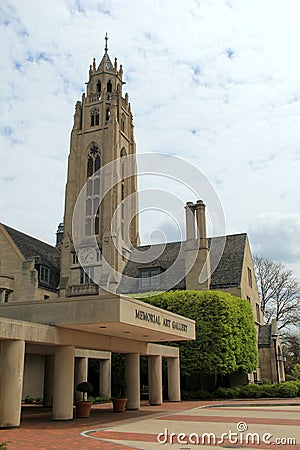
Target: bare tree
279 292
291 349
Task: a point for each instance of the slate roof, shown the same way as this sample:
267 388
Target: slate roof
45 254
159 256
228 272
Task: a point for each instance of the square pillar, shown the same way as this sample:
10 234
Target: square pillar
63 383
80 375
132 379
155 380
105 378
12 355
48 380
174 380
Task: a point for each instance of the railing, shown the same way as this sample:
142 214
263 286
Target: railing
83 289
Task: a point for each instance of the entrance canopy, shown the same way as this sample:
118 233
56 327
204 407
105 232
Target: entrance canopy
116 316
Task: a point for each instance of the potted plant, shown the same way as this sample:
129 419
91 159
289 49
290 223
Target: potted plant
119 401
83 407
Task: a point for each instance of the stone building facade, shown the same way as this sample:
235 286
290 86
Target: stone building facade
32 271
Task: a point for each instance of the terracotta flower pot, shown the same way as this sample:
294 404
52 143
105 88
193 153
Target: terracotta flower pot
83 409
119 404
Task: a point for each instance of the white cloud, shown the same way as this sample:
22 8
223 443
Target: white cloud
276 236
215 82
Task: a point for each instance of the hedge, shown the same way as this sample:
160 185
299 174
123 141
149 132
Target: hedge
225 332
286 389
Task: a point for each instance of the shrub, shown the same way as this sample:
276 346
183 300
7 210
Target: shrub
226 392
85 388
288 389
249 391
297 383
102 400
267 391
196 395
4 445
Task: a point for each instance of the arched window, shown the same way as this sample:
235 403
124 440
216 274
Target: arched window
107 115
109 86
95 118
123 123
122 155
93 192
99 86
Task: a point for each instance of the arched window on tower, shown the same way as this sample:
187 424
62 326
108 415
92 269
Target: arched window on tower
107 115
109 86
93 192
123 175
95 118
123 123
99 86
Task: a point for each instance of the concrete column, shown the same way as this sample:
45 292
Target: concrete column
132 379
155 380
48 380
80 374
105 378
190 221
11 382
63 383
174 380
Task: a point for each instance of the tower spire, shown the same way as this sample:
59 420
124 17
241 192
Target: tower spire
106 39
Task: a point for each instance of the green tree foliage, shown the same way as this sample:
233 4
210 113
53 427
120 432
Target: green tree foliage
225 332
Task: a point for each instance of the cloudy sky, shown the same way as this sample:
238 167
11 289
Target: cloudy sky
216 82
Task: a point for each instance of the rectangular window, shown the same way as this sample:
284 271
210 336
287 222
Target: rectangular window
6 296
257 312
149 278
44 274
87 275
250 277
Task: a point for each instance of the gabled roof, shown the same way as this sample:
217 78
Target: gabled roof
44 254
228 272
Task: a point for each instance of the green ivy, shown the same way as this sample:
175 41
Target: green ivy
225 331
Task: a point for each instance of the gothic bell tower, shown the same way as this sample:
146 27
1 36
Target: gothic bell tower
102 136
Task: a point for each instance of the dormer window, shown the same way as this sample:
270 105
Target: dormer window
149 278
44 274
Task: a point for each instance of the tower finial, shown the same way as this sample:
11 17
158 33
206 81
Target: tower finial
106 39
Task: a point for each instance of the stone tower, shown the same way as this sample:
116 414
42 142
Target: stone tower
99 173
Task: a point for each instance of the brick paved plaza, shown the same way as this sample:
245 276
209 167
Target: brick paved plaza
269 419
